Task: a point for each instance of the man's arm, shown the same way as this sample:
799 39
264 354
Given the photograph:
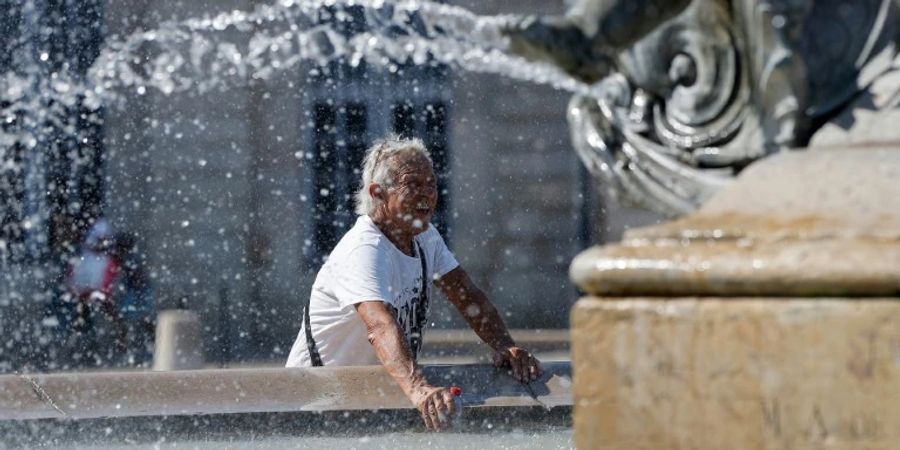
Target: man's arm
435 404
484 319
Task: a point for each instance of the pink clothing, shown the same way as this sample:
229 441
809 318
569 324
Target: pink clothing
92 276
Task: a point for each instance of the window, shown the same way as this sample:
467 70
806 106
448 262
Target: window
340 142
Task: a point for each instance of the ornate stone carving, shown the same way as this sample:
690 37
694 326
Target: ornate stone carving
688 93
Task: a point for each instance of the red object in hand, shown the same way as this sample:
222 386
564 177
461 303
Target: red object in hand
456 390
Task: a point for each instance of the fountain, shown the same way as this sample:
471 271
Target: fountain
768 316
691 92
731 327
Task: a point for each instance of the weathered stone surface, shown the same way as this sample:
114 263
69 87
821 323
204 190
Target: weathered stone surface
821 222
737 373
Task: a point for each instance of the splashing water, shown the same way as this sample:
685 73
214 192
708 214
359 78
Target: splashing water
290 32
197 54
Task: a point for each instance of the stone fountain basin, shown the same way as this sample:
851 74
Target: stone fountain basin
246 408
143 393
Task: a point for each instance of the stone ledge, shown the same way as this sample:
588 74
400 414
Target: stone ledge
820 267
123 394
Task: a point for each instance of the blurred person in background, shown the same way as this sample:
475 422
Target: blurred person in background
369 302
90 281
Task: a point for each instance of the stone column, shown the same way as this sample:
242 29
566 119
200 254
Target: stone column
769 319
179 341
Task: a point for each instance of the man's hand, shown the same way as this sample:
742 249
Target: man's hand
524 366
436 406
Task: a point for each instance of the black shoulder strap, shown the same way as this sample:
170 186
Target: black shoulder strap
314 356
425 277
422 319
424 265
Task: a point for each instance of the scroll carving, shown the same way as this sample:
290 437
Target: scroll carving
711 87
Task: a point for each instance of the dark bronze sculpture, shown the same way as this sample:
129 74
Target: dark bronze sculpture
688 93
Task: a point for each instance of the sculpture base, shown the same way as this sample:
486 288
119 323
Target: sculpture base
768 319
748 373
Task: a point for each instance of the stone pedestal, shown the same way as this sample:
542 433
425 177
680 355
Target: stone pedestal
179 341
769 319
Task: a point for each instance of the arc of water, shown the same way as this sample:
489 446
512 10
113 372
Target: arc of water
279 36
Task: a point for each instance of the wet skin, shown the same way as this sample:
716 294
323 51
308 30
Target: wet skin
407 205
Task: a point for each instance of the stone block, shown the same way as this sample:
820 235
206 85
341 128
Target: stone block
737 373
178 341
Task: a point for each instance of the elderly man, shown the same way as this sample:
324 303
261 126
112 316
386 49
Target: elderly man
369 302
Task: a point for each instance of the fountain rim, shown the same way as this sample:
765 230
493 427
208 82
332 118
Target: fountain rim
255 390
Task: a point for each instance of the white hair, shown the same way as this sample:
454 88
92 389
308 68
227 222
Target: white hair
380 167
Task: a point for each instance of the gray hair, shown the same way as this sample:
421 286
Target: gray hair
379 166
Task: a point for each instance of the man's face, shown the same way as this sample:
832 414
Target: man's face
411 200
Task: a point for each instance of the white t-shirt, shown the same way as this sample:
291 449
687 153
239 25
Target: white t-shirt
366 266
